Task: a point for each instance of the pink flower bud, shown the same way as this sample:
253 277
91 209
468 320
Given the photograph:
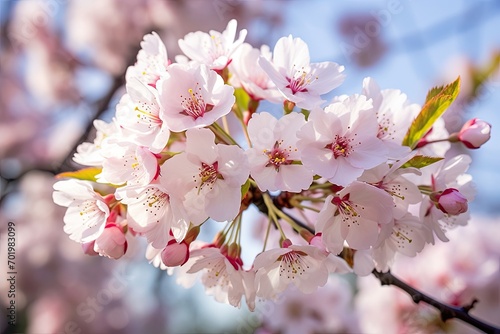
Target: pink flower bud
88 248
175 254
111 243
475 133
452 202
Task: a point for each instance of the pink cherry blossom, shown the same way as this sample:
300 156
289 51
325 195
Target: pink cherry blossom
141 118
475 133
223 276
405 236
90 154
341 142
152 61
299 80
87 211
353 215
152 211
207 178
302 266
193 97
394 116
249 75
128 163
111 243
391 179
441 176
214 49
274 156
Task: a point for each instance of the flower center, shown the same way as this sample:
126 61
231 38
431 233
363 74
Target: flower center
340 147
148 114
386 127
292 264
208 175
216 47
277 156
299 80
345 206
194 105
89 213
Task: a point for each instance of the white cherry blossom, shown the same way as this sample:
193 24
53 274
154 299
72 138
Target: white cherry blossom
125 162
152 212
214 49
274 156
394 115
207 177
87 211
353 215
300 265
141 118
441 176
152 61
391 180
340 142
250 76
90 154
223 276
405 236
193 97
299 80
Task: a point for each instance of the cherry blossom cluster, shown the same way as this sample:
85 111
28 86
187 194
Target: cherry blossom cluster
339 188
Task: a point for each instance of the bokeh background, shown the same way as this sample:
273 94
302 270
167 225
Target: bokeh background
62 65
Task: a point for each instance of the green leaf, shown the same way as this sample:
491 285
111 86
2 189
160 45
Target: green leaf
244 188
437 101
420 161
242 100
87 174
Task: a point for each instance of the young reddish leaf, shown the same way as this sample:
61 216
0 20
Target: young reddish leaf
437 101
87 174
420 161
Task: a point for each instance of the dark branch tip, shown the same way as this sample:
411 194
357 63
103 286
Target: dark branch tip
470 306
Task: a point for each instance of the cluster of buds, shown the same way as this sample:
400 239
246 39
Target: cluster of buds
342 185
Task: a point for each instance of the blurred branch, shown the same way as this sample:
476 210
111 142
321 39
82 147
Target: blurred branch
102 106
447 311
9 184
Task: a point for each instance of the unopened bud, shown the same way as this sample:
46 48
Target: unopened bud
286 243
475 133
175 254
88 248
111 243
450 201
